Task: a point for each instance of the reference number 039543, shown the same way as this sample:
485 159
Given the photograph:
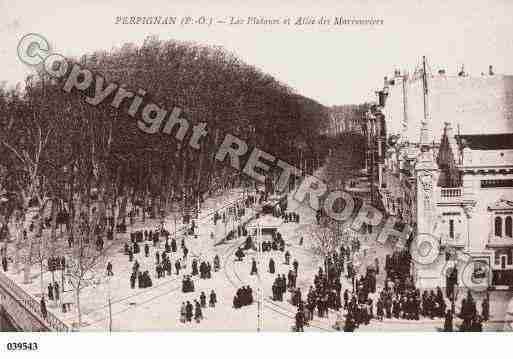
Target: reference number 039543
22 346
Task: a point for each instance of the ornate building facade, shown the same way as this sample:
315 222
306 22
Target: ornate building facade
465 204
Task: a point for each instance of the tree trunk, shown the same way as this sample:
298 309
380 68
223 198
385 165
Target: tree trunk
18 243
77 302
41 269
53 233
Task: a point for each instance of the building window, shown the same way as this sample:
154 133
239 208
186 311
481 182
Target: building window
498 226
451 228
509 227
480 269
497 183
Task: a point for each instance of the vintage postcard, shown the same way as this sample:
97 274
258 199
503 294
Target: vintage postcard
214 166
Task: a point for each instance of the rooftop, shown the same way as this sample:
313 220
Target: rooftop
501 141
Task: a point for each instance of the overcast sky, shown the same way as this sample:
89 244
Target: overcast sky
333 65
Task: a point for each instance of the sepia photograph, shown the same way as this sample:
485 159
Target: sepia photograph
219 166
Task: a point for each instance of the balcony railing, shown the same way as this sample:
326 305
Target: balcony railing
458 240
450 192
496 241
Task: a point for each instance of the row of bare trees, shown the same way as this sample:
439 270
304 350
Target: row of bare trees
65 163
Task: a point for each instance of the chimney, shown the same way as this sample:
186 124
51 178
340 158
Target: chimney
490 70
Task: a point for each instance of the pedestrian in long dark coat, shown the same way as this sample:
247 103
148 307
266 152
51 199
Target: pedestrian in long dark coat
183 313
158 269
253 267
203 300
271 266
379 309
198 315
300 321
283 284
44 312
4 264
188 311
140 280
50 291
448 321
133 278
274 288
168 266
213 299
56 290
109 269
194 267
217 263
250 295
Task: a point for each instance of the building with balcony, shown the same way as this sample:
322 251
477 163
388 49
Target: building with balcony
470 103
465 200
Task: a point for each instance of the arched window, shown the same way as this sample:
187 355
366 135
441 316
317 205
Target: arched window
498 226
509 227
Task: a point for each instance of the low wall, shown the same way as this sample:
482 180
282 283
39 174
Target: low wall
24 311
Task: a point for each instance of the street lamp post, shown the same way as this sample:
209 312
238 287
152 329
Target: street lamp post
109 301
259 290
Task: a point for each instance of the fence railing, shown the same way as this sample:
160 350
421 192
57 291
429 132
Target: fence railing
450 192
32 306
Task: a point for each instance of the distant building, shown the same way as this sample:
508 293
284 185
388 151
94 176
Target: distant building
374 131
345 119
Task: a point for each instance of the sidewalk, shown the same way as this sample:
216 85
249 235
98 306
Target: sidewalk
94 294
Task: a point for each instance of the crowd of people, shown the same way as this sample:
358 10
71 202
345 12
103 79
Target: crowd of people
204 269
243 297
398 298
188 311
290 217
54 291
279 287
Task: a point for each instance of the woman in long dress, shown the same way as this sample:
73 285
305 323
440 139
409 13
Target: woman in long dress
183 313
198 315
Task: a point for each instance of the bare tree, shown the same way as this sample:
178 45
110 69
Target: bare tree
325 239
84 259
